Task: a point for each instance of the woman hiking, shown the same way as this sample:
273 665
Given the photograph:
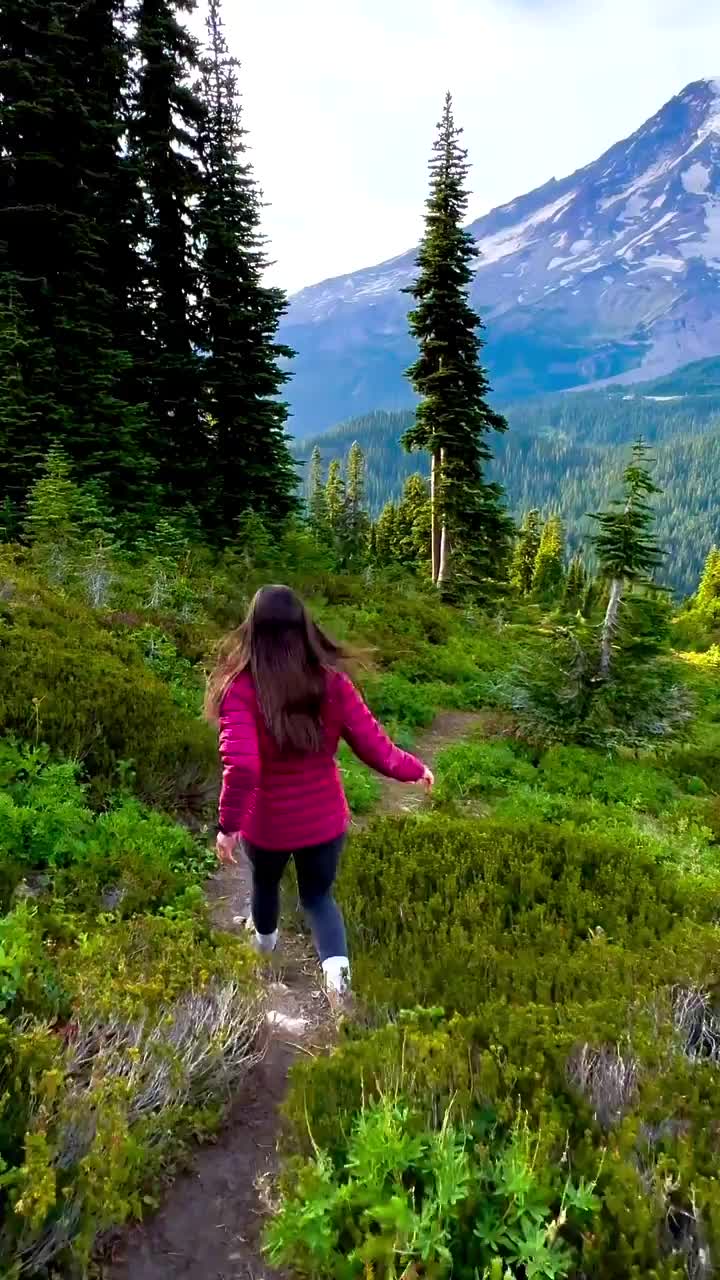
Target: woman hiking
282 703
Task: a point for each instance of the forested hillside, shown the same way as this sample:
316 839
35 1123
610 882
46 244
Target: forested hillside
528 1081
566 454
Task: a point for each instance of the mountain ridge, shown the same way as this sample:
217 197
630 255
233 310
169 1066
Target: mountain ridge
611 272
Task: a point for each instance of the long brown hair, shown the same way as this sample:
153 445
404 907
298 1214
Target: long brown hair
288 657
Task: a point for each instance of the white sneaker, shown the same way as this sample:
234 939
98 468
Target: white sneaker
336 971
264 943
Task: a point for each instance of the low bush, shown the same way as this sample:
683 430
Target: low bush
583 773
481 769
162 657
408 1200
125 859
454 912
582 973
162 1021
395 701
623 1132
696 765
67 681
362 787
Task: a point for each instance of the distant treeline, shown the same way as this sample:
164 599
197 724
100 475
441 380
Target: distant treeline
566 454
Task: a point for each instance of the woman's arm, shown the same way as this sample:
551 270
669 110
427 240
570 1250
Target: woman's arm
240 755
370 742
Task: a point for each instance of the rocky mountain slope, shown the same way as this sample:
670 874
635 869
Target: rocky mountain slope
613 271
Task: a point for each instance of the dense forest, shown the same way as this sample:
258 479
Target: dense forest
566 454
136 330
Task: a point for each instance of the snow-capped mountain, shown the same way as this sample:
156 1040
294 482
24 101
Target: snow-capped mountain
612 271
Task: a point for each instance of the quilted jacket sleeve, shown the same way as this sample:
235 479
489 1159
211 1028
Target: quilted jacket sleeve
240 756
370 742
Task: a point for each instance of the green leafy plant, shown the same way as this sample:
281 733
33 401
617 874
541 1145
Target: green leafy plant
404 1200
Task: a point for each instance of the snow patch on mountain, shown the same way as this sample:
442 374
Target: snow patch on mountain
511 239
611 272
696 179
641 183
707 246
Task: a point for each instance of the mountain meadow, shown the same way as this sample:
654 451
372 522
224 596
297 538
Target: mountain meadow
526 1085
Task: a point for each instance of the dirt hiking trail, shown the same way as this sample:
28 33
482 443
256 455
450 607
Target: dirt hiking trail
210 1225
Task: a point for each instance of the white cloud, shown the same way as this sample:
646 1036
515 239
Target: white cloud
341 99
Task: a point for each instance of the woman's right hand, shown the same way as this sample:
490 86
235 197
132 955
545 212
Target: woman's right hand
225 848
428 780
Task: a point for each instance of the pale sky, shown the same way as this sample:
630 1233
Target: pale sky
341 98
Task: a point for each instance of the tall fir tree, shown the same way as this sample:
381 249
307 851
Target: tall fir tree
386 536
470 528
358 521
336 503
164 140
27 401
626 546
413 523
709 589
549 570
576 585
239 314
62 71
527 545
317 498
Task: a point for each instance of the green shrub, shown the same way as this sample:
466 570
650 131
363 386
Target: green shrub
585 969
696 763
362 787
126 859
455 912
395 701
162 657
66 681
165 1020
581 772
450 1201
644 1141
475 769
28 981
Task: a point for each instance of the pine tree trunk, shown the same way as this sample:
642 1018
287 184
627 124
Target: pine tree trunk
444 561
609 626
444 570
436 527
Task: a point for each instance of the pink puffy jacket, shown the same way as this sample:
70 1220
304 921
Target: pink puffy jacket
287 801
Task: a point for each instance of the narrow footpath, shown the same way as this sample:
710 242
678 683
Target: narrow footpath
211 1224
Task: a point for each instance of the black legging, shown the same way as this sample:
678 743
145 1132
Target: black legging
316 868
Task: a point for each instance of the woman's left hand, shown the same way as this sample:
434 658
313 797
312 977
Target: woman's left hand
225 848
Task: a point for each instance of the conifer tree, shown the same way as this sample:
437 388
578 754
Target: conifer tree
336 502
386 535
164 128
62 69
549 570
69 528
413 521
239 314
709 589
626 546
525 553
471 530
357 517
27 400
576 584
317 498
